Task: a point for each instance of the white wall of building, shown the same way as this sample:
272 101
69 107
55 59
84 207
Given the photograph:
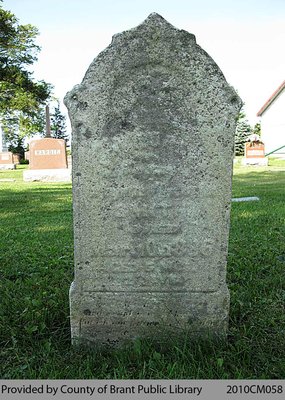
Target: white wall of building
273 125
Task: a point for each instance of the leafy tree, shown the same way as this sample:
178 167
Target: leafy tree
257 129
58 124
21 98
243 131
18 125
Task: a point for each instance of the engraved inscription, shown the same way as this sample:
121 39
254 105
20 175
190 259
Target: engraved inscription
254 152
51 152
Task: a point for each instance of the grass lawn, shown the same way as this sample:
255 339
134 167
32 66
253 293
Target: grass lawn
36 268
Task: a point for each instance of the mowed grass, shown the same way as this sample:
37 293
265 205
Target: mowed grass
36 267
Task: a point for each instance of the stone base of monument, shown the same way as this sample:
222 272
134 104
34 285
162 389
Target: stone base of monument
47 175
7 166
254 161
112 318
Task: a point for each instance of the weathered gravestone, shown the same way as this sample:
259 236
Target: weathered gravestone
153 134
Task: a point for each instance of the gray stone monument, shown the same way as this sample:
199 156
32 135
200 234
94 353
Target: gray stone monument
6 157
3 144
153 134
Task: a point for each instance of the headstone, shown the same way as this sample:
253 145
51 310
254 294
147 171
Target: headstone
47 153
3 144
7 160
6 157
254 153
153 135
47 158
47 161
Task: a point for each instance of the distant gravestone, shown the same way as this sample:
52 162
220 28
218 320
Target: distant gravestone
7 160
47 158
6 157
47 161
153 135
47 153
254 154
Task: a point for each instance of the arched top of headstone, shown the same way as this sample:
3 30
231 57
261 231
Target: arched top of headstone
153 22
153 54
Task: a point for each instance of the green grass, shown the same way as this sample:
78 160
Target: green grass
36 267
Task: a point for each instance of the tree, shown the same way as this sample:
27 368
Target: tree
257 129
58 124
21 98
243 131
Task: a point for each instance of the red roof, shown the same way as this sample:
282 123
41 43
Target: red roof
271 99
